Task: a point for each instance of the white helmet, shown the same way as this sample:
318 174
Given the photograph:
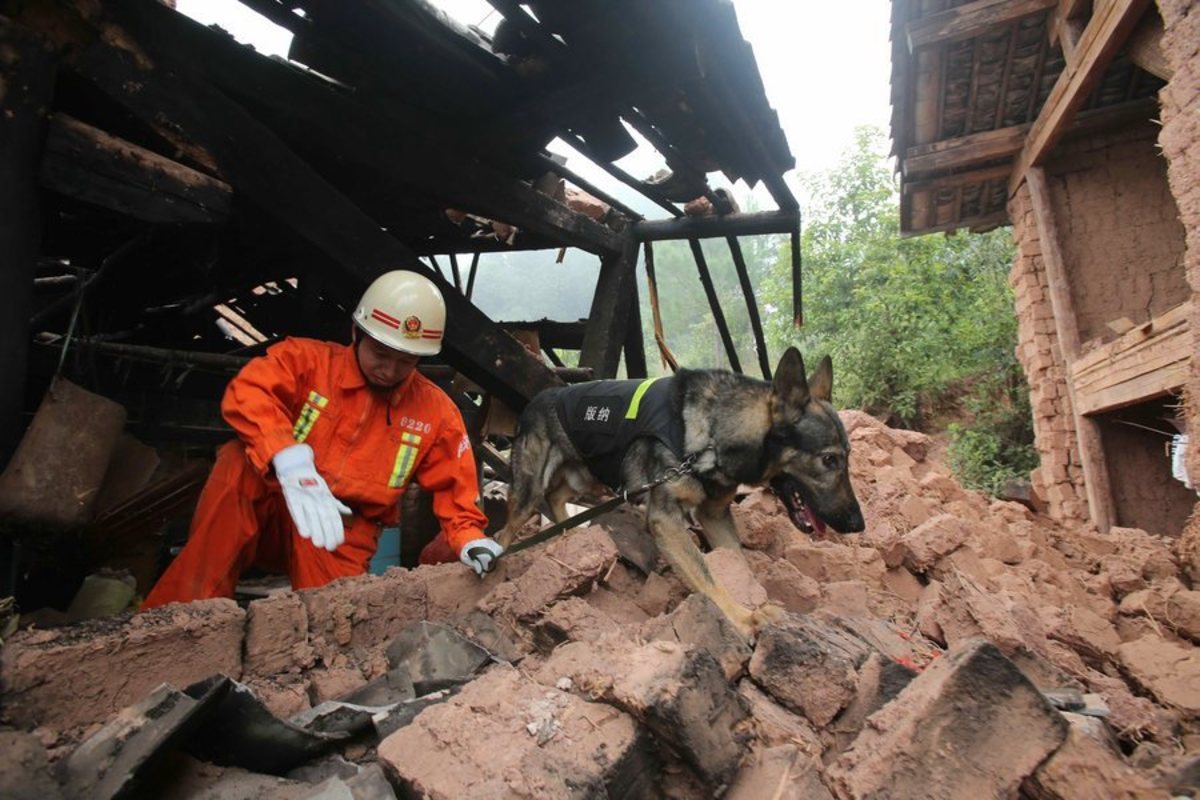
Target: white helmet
404 311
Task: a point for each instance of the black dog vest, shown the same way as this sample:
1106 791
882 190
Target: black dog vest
603 418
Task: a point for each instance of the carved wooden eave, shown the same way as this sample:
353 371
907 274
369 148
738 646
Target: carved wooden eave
983 90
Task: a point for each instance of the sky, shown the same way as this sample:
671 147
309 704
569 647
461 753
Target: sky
825 67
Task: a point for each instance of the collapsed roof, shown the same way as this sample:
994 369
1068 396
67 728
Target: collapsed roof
182 168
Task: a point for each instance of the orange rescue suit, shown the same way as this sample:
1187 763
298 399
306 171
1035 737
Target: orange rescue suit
367 445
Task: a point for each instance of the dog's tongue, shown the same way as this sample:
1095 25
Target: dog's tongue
818 524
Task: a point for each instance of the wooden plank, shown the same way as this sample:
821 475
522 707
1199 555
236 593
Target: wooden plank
88 164
1148 361
271 175
762 223
981 222
606 333
1104 36
958 179
1134 339
964 151
27 74
971 20
1101 506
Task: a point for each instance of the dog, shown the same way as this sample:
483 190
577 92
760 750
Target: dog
719 429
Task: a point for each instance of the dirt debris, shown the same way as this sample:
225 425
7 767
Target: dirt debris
943 619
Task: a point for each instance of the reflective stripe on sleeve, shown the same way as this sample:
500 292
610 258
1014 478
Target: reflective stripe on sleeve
308 416
406 460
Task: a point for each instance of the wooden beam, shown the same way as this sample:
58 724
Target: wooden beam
980 222
1146 362
714 305
1145 48
606 333
401 149
760 343
88 164
762 223
971 20
964 151
1101 507
958 179
1106 33
27 74
271 175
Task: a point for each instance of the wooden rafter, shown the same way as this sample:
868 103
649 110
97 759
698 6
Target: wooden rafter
1107 31
970 20
86 163
964 151
959 179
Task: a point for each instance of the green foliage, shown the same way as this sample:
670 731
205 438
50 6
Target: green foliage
921 330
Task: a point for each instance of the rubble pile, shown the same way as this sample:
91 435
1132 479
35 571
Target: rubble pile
959 647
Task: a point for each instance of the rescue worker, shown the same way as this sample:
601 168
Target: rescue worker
328 437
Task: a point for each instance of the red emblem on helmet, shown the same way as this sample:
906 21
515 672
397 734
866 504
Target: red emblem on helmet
412 327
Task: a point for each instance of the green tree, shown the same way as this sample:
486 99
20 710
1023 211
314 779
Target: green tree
921 330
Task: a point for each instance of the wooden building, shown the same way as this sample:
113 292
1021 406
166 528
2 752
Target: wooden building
1078 123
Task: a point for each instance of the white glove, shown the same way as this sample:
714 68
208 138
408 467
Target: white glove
481 554
314 509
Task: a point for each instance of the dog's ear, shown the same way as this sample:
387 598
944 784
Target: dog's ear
790 387
820 383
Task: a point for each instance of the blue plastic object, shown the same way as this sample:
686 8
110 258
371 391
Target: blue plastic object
387 554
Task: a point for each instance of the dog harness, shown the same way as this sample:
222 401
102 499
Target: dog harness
603 418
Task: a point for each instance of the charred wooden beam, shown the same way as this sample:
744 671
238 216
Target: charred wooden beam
264 169
225 363
583 183
88 164
403 149
760 343
714 304
762 223
606 332
971 20
797 279
641 187
635 346
26 86
552 333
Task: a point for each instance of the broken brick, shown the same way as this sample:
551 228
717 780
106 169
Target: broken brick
808 666
505 735
949 734
84 674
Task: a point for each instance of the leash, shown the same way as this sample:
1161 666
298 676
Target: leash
685 467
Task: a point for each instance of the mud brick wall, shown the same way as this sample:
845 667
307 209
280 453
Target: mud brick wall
1122 242
1059 479
1180 143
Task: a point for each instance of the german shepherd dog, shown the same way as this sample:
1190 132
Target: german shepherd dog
732 429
